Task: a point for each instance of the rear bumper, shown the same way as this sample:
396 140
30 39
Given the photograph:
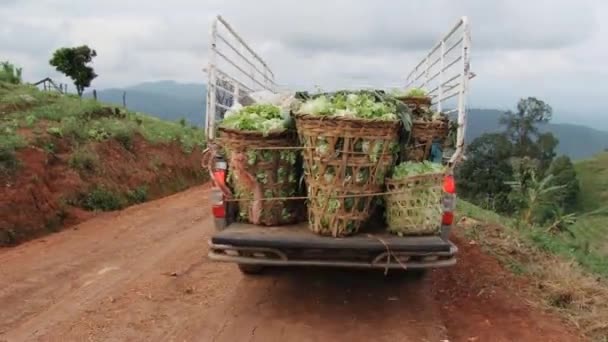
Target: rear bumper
296 246
274 257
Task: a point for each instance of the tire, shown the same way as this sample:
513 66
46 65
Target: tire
250 269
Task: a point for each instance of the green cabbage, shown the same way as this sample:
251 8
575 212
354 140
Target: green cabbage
408 169
264 118
360 105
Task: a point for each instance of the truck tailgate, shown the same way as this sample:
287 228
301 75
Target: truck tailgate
299 236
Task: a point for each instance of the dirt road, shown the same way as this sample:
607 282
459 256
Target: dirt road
140 275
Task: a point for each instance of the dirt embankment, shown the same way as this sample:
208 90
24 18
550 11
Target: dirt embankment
60 184
141 274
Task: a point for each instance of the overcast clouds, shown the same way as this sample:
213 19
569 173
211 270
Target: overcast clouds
550 49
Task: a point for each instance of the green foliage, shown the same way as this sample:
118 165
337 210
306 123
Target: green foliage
263 118
138 195
593 177
408 169
10 141
483 176
523 126
534 196
564 244
55 131
563 172
125 137
72 62
361 104
10 73
102 198
85 160
417 92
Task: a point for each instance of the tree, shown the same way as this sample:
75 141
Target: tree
545 149
484 174
535 196
564 174
72 62
522 126
9 73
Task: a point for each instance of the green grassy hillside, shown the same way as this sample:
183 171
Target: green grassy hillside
62 156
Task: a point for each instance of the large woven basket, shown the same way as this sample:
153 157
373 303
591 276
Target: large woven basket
415 102
413 204
263 167
345 162
423 134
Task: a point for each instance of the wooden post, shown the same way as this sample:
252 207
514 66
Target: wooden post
124 99
95 94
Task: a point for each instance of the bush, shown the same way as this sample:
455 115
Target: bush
9 73
9 142
84 159
103 199
8 161
138 195
125 138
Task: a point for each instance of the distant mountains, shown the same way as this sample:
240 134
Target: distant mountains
575 141
172 101
168 100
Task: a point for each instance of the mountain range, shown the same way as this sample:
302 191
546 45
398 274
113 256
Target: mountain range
171 100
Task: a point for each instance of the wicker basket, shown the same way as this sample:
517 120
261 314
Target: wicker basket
423 134
415 102
260 169
413 205
345 161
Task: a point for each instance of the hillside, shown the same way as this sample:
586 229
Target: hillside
63 158
167 100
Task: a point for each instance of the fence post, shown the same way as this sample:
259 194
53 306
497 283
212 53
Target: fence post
124 99
95 94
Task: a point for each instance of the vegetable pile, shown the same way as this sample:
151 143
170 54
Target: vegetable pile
408 169
356 105
413 205
416 92
264 118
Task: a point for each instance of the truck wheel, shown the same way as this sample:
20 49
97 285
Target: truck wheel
251 269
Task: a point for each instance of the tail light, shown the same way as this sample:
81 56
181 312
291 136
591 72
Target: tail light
449 200
217 196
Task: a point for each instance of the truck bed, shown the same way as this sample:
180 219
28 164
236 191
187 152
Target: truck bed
296 245
299 236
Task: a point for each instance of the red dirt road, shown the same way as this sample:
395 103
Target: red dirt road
141 275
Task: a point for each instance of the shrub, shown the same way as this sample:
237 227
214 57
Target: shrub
103 199
125 138
84 159
56 131
9 73
138 195
8 161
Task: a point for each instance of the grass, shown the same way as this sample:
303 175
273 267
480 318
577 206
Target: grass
85 120
562 244
562 283
593 178
103 199
84 159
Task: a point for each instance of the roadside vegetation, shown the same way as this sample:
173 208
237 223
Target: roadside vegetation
564 281
67 152
543 216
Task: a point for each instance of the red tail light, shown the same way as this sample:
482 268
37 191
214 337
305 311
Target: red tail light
219 211
449 185
217 197
449 200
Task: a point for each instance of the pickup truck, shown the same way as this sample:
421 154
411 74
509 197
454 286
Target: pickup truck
236 70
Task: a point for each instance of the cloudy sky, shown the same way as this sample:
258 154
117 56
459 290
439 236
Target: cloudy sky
554 50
